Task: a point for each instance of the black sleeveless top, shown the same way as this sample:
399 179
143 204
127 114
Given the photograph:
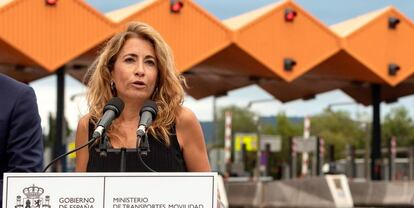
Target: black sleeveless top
161 158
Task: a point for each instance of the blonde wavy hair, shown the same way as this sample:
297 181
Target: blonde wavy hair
168 93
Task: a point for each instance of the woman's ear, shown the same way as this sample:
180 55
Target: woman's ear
113 89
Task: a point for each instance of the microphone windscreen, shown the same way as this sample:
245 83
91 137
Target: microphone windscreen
115 104
150 106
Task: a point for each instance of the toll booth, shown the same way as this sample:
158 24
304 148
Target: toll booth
246 144
312 145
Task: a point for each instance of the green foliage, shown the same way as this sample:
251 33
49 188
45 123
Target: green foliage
285 129
242 121
49 139
398 123
337 128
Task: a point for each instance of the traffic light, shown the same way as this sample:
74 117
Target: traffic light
51 2
176 6
290 15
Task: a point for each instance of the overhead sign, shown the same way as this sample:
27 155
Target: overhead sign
250 140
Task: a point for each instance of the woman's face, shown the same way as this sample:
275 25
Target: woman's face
135 71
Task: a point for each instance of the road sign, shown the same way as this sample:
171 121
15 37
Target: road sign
305 145
274 141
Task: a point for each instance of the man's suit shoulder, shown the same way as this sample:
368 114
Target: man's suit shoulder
13 92
10 87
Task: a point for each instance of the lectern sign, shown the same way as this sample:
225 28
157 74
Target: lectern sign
33 198
110 190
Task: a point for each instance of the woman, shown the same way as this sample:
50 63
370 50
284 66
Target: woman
137 65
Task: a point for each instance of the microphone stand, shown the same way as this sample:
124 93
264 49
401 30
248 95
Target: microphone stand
143 148
63 155
103 152
143 145
103 146
123 159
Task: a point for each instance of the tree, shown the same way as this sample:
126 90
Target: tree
286 129
243 120
51 136
399 124
337 128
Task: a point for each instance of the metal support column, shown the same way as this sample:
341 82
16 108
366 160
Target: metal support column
376 159
59 148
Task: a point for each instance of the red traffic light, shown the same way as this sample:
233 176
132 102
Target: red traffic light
290 15
176 6
51 2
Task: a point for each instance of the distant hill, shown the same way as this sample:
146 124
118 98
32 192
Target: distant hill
208 131
271 120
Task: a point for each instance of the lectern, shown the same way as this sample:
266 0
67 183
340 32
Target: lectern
110 190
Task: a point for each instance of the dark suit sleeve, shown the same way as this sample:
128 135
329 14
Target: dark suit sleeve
25 141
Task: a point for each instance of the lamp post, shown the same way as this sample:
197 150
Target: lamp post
329 107
258 129
250 104
72 98
218 163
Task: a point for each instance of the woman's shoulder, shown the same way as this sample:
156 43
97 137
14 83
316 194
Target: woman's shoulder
82 131
185 116
84 121
187 122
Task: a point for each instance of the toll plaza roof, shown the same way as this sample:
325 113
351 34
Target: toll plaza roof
281 47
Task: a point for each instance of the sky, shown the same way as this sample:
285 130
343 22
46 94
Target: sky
327 11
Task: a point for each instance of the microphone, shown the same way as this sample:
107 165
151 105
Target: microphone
147 114
111 111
